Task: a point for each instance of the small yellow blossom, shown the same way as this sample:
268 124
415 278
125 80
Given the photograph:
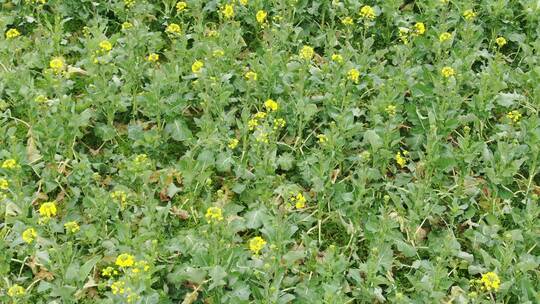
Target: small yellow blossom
213 214
41 99
260 115
256 244
109 271
391 110
400 160
262 137
404 35
243 2
153 57
306 52
233 143
9 164
173 28
127 25
448 72
347 21
29 235
181 6
105 45
118 287
491 281
218 53
121 196
261 16
15 291
469 14
337 58
501 41
140 159
4 184
419 28
48 209
353 75
322 138
129 3
197 66
252 124
279 123
228 11
271 105
72 226
299 200
514 116
57 65
251 76
367 12
125 260
445 36
12 33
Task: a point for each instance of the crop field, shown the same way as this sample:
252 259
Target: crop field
269 151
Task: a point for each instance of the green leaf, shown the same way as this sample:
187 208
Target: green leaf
178 130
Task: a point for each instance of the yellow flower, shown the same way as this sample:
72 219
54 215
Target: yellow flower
260 115
173 28
48 209
391 110
448 72
15 291
491 281
250 75
57 64
322 138
367 12
72 226
233 143
299 200
353 75
12 33
105 45
400 160
243 2
404 34
127 25
271 105
252 124
279 123
197 66
140 158
9 163
153 57
129 3
420 28
261 136
445 36
228 11
29 235
347 21
469 14
337 58
118 287
218 53
4 184
514 116
108 272
181 6
501 41
261 16
125 260
121 196
213 214
306 52
256 244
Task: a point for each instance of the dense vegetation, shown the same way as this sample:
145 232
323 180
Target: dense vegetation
264 151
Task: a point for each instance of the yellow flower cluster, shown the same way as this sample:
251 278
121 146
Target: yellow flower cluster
391 110
9 163
490 281
367 12
120 196
109 271
271 105
213 214
353 75
347 21
12 33
337 58
105 46
173 29
419 28
125 260
4 184
279 123
514 116
233 143
48 210
140 159
127 25
501 41
256 244
228 11
261 16
299 200
400 158
322 138
469 14
153 57
72 226
448 72
306 52
445 36
57 65
251 76
129 3
197 66
181 6
29 235
16 291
